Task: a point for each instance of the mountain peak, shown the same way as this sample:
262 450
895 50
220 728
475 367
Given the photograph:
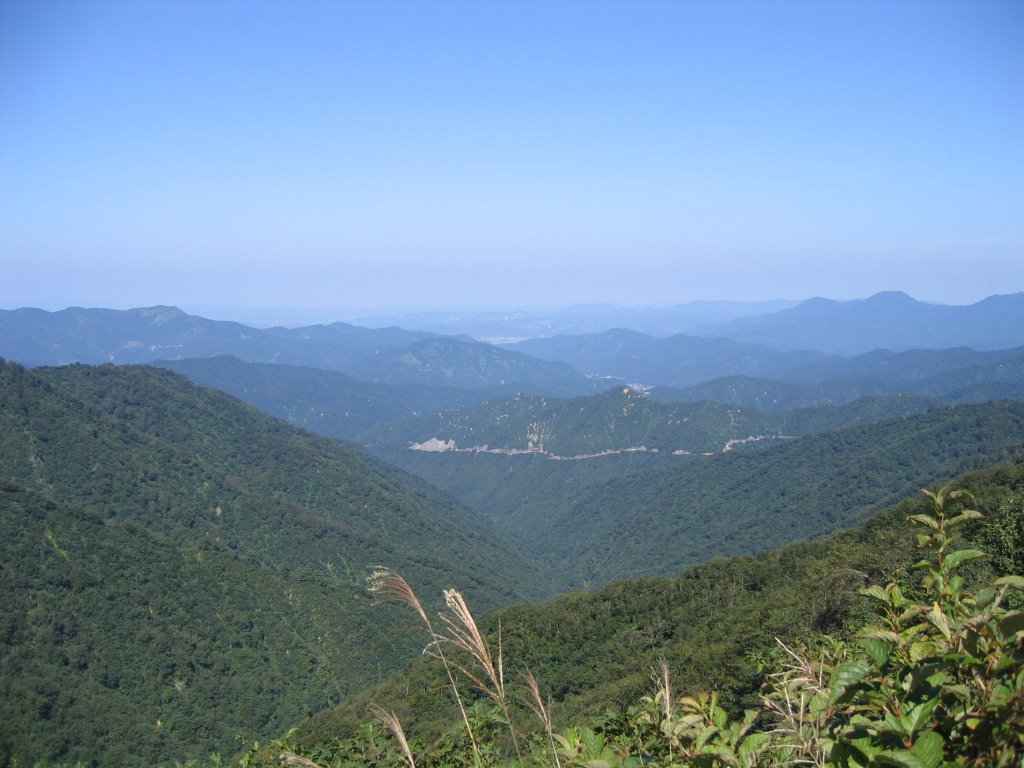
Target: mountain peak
891 298
160 315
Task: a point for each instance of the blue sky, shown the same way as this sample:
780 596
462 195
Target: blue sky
371 155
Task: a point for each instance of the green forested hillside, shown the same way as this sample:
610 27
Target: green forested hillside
171 555
329 402
127 647
996 380
183 569
715 625
623 419
517 491
658 521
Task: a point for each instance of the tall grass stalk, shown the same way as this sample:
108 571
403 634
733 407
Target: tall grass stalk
391 586
535 702
664 687
801 725
390 719
463 633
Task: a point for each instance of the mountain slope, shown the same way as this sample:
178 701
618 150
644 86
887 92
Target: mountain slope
716 625
125 647
35 337
619 420
327 402
954 375
172 555
523 457
676 361
658 521
890 320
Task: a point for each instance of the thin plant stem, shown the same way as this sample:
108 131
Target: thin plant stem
390 584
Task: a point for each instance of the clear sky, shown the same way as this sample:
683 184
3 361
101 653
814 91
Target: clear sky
359 155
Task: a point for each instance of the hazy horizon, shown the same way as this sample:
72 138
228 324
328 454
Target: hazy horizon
364 158
435 317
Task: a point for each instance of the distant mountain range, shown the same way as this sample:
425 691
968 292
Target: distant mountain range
676 361
953 375
513 325
800 345
35 337
890 320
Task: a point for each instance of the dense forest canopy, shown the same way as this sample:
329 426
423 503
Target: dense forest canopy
182 569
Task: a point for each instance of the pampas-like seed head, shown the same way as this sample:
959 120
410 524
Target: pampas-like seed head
463 633
390 719
392 587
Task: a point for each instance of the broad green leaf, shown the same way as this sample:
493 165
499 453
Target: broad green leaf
938 618
914 718
928 520
897 596
901 758
928 747
847 674
885 635
754 743
922 650
878 650
876 592
953 559
985 596
967 514
1014 582
911 613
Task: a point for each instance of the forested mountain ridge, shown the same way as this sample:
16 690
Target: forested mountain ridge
932 370
81 335
178 568
619 420
662 519
603 493
645 513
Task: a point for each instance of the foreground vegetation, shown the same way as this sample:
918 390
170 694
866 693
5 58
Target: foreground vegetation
936 678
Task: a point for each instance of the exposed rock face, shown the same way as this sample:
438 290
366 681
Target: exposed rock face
434 445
